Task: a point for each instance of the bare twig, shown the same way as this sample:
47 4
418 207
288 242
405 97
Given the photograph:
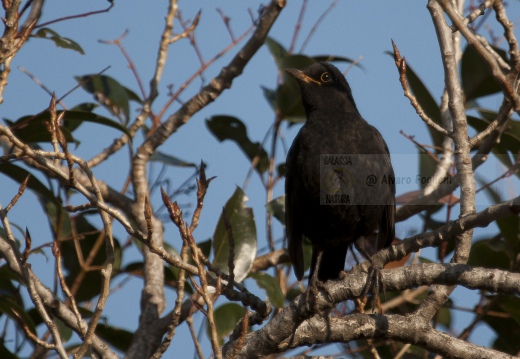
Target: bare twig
243 324
509 34
317 24
86 14
119 43
39 83
271 259
484 52
188 32
71 299
198 73
226 21
298 26
17 196
178 305
400 63
196 342
474 15
202 187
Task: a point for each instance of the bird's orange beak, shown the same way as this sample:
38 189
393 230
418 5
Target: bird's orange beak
301 76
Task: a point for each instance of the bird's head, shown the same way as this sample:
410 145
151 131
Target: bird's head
323 87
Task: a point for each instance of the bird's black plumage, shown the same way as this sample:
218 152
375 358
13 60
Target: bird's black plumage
335 127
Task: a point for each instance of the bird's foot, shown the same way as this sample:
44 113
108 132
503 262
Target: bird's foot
360 304
314 284
374 277
374 284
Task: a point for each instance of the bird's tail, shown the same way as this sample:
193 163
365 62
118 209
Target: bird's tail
332 261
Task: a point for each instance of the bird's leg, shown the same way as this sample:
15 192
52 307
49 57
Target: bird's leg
313 283
374 275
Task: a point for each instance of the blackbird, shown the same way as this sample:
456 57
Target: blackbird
339 184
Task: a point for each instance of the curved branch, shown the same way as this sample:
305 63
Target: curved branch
295 326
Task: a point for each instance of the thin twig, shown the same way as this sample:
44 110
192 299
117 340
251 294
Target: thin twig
70 17
71 299
196 342
298 26
119 43
509 34
226 21
400 63
317 24
487 56
17 196
244 324
197 73
202 187
39 83
474 15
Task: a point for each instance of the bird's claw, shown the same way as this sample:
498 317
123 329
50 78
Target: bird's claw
373 285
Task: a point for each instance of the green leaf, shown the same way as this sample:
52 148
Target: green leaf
293 292
477 78
510 137
426 100
32 129
117 337
18 174
226 318
444 317
281 169
490 253
74 118
86 236
507 328
427 166
277 51
271 286
333 58
64 42
109 93
65 331
231 128
58 218
277 208
270 96
428 104
511 305
509 144
5 353
170 160
509 228
288 97
494 195
16 312
244 235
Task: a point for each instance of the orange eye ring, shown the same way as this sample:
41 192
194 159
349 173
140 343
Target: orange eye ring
325 77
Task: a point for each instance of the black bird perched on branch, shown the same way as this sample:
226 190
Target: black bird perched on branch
339 183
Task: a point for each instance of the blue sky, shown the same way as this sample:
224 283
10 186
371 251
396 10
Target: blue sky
353 29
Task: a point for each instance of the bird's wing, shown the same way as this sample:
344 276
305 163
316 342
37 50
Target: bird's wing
293 227
387 226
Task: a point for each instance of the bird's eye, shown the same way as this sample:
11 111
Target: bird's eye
325 77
